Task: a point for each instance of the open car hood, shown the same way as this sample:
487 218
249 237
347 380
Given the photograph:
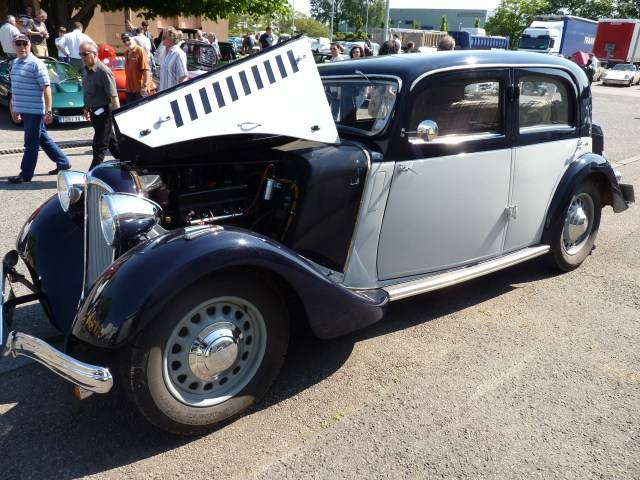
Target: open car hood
275 92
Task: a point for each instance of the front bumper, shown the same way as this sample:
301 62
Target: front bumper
615 81
88 377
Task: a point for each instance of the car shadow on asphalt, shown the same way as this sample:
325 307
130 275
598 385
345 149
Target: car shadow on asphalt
45 432
34 184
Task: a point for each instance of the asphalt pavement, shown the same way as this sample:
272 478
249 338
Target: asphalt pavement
525 373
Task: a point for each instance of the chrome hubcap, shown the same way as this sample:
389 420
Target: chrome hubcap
577 224
214 351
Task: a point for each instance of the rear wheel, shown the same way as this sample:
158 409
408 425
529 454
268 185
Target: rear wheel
573 240
210 356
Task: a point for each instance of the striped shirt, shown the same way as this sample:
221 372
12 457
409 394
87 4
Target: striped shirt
28 78
174 66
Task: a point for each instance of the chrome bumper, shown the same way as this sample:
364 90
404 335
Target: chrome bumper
88 377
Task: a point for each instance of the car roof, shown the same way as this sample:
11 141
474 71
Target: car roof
409 66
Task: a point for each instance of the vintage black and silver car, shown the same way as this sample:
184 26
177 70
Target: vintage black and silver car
265 195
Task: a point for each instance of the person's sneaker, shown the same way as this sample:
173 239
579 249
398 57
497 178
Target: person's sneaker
17 179
59 169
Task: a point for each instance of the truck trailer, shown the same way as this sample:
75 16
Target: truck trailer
559 34
468 41
618 41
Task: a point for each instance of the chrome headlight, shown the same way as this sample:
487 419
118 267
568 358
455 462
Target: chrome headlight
124 216
70 188
626 77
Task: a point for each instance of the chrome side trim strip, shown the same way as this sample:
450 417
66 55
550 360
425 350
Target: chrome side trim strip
435 282
89 377
483 66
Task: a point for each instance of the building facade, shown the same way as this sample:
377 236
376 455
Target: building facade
430 19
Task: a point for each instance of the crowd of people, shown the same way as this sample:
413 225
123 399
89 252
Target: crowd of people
23 39
389 47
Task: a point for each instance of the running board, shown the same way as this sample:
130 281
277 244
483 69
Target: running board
435 282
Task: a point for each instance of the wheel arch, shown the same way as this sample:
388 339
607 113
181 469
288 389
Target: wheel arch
137 286
588 167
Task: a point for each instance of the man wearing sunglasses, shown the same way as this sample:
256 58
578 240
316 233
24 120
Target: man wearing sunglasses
100 99
136 66
31 103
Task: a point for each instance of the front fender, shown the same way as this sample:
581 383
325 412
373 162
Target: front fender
589 165
138 285
51 245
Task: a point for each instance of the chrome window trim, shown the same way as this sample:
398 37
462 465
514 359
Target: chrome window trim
455 139
369 76
547 128
485 66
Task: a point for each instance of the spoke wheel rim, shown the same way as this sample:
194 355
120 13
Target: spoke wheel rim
231 328
578 224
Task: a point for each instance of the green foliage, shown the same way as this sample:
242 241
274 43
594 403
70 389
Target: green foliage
476 24
513 16
593 9
63 12
415 24
443 25
627 9
311 27
352 12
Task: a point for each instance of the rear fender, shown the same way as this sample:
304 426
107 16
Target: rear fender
134 290
590 166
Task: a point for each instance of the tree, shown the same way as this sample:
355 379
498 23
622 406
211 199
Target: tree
592 9
351 12
627 9
311 27
443 25
477 23
63 12
513 16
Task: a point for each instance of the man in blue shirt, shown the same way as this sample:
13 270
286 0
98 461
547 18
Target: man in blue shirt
31 103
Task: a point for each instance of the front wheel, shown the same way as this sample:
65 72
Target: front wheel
210 356
573 240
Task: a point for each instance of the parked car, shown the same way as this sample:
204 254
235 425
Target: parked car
621 74
235 214
66 90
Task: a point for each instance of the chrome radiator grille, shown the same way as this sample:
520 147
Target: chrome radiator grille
98 254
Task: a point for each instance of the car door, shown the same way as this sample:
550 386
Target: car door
448 195
546 142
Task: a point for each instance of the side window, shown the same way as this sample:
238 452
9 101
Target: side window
544 103
461 107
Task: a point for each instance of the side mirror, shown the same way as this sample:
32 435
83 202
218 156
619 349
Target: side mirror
426 132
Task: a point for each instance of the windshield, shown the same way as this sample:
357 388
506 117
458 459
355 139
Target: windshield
360 104
534 43
625 67
61 72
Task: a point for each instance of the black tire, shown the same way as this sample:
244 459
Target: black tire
147 364
567 251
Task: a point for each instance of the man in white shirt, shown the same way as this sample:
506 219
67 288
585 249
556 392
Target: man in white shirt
8 33
71 41
174 66
141 39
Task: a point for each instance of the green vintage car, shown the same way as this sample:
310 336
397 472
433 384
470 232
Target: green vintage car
66 89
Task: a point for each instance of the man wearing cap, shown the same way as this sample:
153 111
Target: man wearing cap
31 103
100 99
136 67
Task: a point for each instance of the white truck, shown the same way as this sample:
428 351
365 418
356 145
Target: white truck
559 34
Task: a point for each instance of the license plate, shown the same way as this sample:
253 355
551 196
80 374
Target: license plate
71 119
